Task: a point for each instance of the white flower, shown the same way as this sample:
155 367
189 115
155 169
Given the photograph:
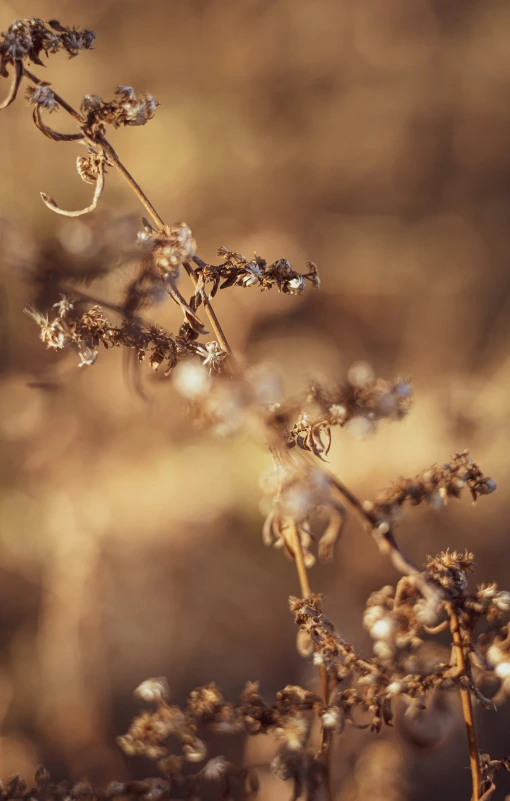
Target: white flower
296 285
425 614
382 629
294 732
502 601
330 718
153 690
383 650
196 752
360 374
215 768
87 356
337 412
495 655
212 354
502 670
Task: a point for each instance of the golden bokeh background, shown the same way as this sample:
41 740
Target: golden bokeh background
370 136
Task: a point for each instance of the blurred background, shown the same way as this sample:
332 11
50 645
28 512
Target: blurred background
370 136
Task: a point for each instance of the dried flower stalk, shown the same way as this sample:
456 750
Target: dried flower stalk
298 434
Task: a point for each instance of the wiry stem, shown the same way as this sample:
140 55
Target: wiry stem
305 592
135 186
387 543
463 662
101 140
211 314
300 562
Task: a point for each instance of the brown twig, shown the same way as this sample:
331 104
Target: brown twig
305 592
463 662
112 157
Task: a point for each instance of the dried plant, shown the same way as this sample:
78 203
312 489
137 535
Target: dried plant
309 503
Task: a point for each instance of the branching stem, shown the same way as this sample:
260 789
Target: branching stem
305 592
464 664
108 149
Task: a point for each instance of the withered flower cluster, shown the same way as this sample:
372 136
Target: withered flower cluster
435 485
358 403
86 331
28 39
309 504
125 109
237 270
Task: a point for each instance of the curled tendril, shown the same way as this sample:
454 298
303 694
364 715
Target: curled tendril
50 133
97 194
15 84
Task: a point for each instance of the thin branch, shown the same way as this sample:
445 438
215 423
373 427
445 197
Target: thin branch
387 543
50 133
189 314
215 323
102 141
464 664
305 592
142 197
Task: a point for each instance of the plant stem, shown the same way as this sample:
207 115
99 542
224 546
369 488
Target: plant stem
305 592
300 562
211 314
134 185
103 142
464 664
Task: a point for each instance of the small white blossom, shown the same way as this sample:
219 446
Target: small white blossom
212 354
215 768
153 690
502 601
87 356
337 412
495 655
42 96
195 752
383 650
372 615
296 285
382 629
502 670
330 718
425 614
360 374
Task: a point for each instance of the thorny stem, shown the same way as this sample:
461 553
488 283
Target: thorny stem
463 662
144 200
305 592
